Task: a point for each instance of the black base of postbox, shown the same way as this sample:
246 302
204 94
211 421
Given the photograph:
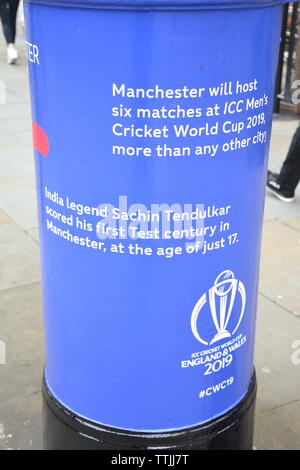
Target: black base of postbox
63 430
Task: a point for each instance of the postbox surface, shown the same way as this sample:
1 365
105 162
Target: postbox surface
151 130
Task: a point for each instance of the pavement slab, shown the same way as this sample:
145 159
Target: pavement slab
280 273
18 199
19 257
294 223
21 424
278 429
21 329
278 374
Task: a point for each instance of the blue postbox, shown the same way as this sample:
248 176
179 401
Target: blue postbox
151 125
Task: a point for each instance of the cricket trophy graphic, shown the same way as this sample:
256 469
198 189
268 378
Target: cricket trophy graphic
222 298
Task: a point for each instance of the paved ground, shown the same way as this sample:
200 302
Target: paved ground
278 406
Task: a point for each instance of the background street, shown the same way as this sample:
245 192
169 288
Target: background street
278 327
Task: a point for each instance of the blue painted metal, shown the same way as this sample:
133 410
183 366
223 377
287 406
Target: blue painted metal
126 334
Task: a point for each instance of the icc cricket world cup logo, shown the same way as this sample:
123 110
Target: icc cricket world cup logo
222 300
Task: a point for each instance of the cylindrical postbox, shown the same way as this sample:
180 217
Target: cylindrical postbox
151 126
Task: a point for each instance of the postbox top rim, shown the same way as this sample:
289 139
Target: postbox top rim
161 4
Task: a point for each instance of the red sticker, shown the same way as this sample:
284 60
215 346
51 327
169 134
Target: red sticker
40 139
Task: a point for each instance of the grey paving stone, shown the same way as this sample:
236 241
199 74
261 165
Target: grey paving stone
278 237
284 124
17 124
5 136
12 97
21 424
15 110
294 223
280 278
277 373
18 200
25 137
283 130
280 265
4 219
19 257
15 161
21 330
278 429
277 209
278 148
34 233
